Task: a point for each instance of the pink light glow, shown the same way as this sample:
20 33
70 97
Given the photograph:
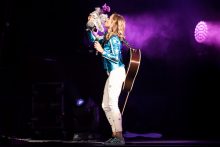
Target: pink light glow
208 33
201 31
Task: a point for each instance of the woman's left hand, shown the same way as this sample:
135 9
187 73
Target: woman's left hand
98 47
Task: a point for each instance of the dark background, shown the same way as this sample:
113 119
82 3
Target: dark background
45 41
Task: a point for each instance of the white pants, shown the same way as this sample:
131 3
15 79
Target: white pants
111 95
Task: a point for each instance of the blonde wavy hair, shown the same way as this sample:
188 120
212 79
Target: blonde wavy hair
117 27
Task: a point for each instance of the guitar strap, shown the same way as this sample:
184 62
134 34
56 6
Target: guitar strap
126 43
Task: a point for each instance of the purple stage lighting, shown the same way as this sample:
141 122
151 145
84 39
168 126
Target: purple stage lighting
201 31
152 33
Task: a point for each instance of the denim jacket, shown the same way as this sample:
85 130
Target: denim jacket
112 57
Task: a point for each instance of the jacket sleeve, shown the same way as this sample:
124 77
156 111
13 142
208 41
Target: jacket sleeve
92 37
115 45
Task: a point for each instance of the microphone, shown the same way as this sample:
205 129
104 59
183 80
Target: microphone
96 53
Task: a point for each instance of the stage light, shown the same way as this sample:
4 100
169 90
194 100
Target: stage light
208 32
85 119
79 102
201 31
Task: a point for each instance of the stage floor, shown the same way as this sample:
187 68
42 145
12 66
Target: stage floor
129 142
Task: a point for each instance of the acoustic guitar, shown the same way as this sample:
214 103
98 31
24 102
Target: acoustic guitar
131 72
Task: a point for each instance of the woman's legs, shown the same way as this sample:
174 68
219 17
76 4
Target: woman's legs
106 107
111 95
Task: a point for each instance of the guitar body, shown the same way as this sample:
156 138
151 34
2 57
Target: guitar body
132 70
133 67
